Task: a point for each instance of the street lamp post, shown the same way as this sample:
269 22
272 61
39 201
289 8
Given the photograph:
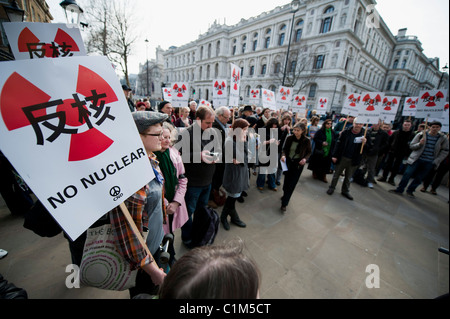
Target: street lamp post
295 5
334 93
146 63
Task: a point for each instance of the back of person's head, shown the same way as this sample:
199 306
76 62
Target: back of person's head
204 111
213 272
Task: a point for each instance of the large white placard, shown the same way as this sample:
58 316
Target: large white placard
389 109
431 103
167 94
322 105
284 97
235 83
370 107
299 104
220 93
66 127
351 104
410 106
32 40
180 94
268 99
255 97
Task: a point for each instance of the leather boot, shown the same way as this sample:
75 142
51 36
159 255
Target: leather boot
234 215
225 212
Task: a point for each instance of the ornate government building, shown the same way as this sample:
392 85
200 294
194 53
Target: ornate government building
335 48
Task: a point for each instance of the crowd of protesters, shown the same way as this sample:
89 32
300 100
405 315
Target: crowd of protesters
194 175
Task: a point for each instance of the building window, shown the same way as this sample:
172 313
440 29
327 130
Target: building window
281 39
389 86
267 44
255 45
298 35
293 66
329 10
404 64
252 70
397 85
318 64
277 67
395 64
326 25
264 69
244 46
234 50
312 91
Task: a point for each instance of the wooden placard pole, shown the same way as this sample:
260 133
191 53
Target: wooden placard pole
365 134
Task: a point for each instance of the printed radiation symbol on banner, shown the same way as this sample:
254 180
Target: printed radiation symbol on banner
23 104
61 46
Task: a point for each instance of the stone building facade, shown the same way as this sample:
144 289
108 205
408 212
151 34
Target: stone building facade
334 50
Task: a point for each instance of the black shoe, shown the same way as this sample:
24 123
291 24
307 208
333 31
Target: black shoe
410 195
239 223
278 183
347 195
330 191
240 199
225 223
392 182
395 191
244 194
382 179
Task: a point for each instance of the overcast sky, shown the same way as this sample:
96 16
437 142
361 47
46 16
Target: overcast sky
183 21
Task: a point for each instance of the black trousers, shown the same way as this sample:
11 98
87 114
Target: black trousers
291 178
392 165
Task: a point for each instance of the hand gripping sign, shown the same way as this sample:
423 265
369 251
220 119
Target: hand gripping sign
66 128
30 40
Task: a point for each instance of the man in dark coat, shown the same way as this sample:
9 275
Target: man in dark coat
347 155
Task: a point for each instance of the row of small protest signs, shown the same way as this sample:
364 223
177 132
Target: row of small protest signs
66 127
370 107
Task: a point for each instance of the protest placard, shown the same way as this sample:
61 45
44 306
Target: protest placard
180 94
389 108
284 97
299 104
220 93
410 106
431 103
66 128
351 104
167 94
255 97
369 109
322 105
235 83
32 40
268 99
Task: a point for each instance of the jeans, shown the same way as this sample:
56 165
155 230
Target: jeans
196 197
419 169
262 178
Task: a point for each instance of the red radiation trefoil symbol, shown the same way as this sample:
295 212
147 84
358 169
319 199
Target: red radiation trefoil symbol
371 102
62 46
35 108
432 99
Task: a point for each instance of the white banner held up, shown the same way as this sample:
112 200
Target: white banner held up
431 103
268 99
72 116
351 104
255 97
167 94
444 119
220 93
370 108
322 105
299 104
235 85
284 97
389 109
180 94
410 106
31 40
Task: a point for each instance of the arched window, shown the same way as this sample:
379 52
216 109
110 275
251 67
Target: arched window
218 48
389 85
281 39
326 25
277 68
329 10
404 64
397 85
263 69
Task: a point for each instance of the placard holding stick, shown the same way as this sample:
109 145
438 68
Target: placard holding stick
365 134
136 232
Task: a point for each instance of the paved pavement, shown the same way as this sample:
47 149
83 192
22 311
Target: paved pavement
320 248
